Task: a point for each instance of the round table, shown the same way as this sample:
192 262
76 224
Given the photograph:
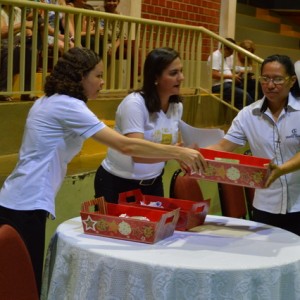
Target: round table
225 258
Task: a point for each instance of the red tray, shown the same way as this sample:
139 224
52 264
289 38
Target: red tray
233 168
107 221
192 213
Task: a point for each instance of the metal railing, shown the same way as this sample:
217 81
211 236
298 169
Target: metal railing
123 70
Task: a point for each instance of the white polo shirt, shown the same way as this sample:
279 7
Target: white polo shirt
54 132
274 140
216 64
133 116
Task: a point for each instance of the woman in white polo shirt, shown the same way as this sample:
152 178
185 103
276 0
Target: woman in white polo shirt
56 126
151 113
271 127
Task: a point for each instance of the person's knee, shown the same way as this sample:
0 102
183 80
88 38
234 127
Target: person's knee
215 89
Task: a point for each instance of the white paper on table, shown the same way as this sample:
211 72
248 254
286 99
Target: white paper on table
202 137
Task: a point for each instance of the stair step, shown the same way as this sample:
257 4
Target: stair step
253 22
266 37
264 14
246 9
271 32
285 27
289 30
266 50
290 33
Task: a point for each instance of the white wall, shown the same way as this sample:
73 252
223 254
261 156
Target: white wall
227 18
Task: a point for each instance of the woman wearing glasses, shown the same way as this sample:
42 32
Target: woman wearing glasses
272 129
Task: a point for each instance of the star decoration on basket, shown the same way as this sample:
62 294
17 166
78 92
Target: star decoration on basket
89 223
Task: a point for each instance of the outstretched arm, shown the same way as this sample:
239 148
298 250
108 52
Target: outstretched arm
224 145
142 148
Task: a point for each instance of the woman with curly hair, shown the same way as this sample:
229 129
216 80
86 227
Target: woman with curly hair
55 129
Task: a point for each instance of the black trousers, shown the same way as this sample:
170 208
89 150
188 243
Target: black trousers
109 186
16 66
31 226
289 221
251 84
238 94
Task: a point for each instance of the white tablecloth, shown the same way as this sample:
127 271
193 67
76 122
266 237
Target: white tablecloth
225 259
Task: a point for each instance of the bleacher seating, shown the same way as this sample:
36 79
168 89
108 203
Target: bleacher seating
269 31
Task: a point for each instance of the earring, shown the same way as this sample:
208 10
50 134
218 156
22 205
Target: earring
156 83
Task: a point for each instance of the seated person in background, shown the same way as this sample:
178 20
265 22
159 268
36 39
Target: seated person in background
151 113
241 68
85 30
51 28
110 6
77 3
89 26
215 62
16 51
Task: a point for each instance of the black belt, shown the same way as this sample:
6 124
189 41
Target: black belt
143 182
146 182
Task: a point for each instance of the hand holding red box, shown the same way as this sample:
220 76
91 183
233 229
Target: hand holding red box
233 168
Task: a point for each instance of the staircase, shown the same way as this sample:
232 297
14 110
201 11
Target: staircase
271 33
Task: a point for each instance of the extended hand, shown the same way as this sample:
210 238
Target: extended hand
192 160
275 173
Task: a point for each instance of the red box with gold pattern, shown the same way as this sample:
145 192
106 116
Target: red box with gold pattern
192 213
233 168
127 222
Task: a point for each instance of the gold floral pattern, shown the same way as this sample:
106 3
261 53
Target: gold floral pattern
235 174
148 231
258 177
102 225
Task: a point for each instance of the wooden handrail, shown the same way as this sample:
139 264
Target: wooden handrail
142 35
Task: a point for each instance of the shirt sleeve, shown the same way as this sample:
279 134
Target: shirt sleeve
77 117
236 134
216 62
132 115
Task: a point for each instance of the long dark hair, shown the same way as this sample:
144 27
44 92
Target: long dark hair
68 72
156 62
287 63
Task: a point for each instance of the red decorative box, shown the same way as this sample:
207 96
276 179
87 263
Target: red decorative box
107 221
192 213
233 168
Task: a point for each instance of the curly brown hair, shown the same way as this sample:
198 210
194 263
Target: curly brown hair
68 72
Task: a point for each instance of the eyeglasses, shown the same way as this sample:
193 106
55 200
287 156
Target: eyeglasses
276 80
